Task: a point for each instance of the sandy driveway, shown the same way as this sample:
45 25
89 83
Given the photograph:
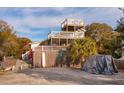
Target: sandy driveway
58 76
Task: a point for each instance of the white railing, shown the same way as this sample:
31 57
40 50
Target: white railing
73 22
47 47
66 35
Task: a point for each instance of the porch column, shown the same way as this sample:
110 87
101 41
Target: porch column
59 41
43 59
51 41
67 35
59 38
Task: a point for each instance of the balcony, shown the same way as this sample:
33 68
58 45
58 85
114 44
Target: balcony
72 22
66 35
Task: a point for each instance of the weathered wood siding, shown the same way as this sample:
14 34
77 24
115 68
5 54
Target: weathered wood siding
37 56
50 56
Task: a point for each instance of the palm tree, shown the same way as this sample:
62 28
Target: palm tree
82 48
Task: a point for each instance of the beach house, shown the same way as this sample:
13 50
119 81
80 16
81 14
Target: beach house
45 54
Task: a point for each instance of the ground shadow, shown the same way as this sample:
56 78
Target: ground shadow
53 75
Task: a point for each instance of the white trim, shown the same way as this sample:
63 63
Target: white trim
43 59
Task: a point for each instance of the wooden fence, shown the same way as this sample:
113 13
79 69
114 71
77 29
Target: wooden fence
45 56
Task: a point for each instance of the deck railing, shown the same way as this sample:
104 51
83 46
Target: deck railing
50 48
66 35
72 22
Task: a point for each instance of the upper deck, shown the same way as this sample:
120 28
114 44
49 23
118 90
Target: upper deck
72 24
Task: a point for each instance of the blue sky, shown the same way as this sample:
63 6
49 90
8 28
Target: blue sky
36 23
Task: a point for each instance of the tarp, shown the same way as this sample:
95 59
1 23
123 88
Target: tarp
100 64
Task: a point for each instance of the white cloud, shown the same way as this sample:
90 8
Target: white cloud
89 15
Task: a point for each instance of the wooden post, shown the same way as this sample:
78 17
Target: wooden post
59 38
43 59
51 41
74 27
67 36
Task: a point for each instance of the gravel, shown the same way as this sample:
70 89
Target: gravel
59 76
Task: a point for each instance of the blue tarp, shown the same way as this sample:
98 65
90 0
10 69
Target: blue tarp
100 64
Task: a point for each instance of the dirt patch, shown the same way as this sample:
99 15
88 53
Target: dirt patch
41 76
